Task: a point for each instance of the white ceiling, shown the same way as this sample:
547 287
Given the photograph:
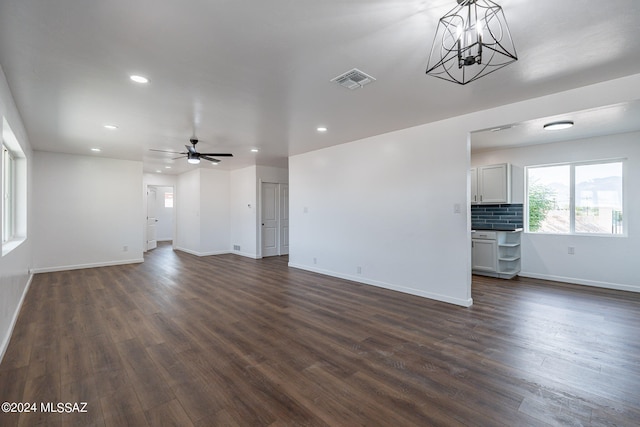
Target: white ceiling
255 74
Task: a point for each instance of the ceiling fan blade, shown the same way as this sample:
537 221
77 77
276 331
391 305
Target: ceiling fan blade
181 157
191 149
211 159
217 154
165 151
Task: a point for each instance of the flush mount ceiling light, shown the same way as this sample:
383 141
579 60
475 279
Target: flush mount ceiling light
471 41
139 79
111 127
321 129
564 124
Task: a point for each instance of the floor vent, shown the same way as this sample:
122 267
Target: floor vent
353 79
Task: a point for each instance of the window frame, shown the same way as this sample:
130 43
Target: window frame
572 198
8 194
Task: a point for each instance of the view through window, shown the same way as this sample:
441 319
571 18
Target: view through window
580 198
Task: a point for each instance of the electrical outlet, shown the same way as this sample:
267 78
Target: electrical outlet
315 260
359 270
571 250
125 249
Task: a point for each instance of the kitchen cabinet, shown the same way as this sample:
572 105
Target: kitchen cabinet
491 184
496 253
483 251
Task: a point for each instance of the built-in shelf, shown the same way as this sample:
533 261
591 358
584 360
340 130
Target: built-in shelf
509 245
496 253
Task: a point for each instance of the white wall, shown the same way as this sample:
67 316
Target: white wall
188 212
271 174
386 203
88 211
14 266
243 208
202 212
598 261
215 224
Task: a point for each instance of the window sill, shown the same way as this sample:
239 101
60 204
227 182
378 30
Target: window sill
12 244
615 236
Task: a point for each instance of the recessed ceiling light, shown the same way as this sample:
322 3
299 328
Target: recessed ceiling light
158 171
215 163
111 127
254 150
564 124
321 129
97 150
139 79
167 167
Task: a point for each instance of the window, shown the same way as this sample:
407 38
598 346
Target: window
575 198
8 195
13 201
168 200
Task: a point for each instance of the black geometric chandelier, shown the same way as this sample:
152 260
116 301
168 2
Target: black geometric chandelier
471 41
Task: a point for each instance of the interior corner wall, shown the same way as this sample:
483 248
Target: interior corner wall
604 261
202 212
88 211
15 274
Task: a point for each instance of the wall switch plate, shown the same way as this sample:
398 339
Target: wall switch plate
457 208
571 250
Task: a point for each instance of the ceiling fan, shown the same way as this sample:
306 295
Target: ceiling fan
193 156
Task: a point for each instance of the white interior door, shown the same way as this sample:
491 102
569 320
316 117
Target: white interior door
269 219
152 242
284 219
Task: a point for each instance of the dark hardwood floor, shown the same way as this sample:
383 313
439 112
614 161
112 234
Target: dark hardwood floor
225 340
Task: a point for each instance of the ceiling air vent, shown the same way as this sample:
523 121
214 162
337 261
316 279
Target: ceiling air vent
353 79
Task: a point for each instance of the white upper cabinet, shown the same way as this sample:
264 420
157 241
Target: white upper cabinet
491 184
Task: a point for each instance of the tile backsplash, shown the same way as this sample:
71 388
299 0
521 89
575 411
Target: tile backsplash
496 217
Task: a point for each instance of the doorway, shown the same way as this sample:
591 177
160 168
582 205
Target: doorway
274 219
160 215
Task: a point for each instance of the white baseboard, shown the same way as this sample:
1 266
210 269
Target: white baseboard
403 289
14 319
196 253
82 266
246 254
575 281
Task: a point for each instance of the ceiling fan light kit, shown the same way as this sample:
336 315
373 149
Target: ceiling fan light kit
193 159
471 41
